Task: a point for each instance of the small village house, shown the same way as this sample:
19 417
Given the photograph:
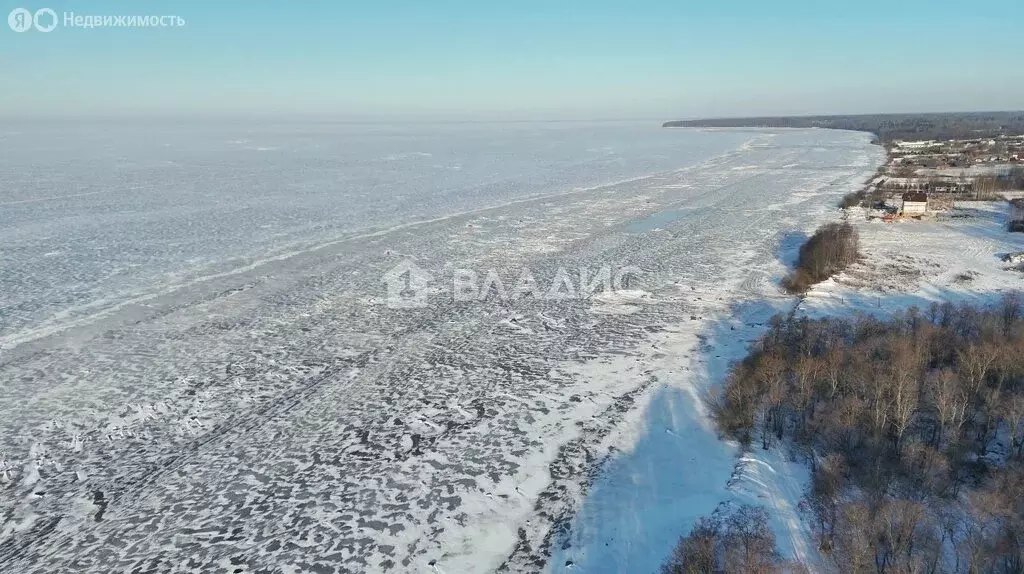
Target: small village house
914 203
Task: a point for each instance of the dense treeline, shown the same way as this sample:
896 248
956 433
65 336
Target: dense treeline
733 540
832 248
887 127
913 427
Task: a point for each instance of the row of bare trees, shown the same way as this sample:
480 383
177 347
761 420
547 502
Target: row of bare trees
913 426
730 540
832 248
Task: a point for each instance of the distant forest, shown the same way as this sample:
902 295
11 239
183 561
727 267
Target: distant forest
886 127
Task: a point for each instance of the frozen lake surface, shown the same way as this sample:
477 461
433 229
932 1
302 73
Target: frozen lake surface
94 215
200 370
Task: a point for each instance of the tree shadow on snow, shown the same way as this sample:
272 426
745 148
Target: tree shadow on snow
679 468
789 247
643 499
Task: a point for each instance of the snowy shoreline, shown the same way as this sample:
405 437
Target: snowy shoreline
668 464
912 263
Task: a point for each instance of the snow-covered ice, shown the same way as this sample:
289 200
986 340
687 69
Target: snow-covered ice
199 373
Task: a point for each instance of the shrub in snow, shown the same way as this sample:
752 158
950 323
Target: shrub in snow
832 248
736 540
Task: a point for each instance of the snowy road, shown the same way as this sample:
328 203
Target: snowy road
273 414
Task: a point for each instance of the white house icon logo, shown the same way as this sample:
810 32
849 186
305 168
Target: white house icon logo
407 286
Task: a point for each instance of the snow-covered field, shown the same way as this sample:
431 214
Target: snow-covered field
958 256
200 371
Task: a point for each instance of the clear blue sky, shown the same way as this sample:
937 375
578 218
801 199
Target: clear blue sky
569 59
